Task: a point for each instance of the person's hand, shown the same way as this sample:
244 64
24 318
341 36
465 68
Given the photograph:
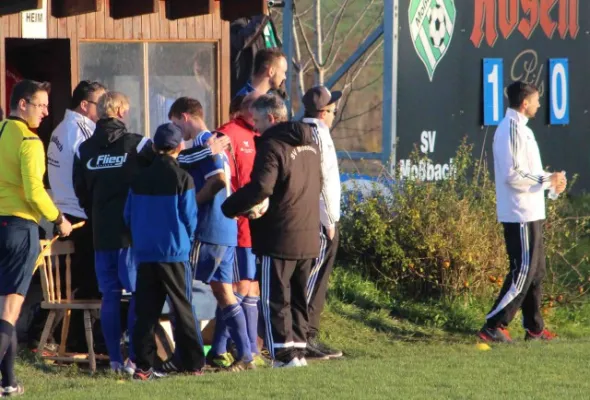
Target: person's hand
331 232
219 144
65 228
558 182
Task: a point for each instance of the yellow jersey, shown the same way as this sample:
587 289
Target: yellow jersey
22 166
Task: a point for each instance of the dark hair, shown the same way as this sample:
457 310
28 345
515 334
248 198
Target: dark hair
265 58
518 91
236 104
186 105
83 91
26 89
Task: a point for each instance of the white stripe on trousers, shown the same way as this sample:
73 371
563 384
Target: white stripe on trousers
518 283
319 263
264 301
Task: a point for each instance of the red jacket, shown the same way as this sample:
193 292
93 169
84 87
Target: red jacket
241 134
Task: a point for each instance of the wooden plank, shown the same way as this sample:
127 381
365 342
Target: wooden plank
127 28
8 7
15 20
182 28
91 25
208 26
190 28
131 8
164 27
81 22
223 89
137 27
216 21
200 27
51 23
155 24
73 35
145 27
100 32
109 23
173 26
69 8
118 23
176 9
62 28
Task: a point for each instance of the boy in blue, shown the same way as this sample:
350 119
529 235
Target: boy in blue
216 238
161 211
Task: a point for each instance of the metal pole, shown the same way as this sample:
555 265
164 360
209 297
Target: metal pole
390 61
288 49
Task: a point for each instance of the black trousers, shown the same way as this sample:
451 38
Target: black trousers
154 282
523 285
284 305
83 271
317 285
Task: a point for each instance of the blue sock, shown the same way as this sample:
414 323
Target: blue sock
250 307
221 334
131 326
110 319
234 318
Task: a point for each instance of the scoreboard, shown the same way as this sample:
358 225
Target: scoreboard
455 59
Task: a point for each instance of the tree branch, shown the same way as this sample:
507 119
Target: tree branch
301 72
307 44
350 31
332 29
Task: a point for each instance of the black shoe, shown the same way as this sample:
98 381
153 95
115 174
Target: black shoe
314 345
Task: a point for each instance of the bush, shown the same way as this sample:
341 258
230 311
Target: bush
433 239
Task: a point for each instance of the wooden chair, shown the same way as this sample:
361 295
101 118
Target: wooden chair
55 300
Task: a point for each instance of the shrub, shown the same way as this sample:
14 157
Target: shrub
433 239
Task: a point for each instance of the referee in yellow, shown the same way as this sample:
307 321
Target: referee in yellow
23 202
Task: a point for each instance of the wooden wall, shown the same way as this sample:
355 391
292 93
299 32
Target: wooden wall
101 27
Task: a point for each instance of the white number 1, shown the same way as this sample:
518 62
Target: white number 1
493 79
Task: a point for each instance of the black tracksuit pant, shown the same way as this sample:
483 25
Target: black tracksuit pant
155 281
317 285
284 305
523 284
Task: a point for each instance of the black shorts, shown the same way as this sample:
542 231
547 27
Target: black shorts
19 249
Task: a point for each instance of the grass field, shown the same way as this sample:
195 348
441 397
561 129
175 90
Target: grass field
387 356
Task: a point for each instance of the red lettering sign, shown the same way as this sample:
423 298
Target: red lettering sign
489 15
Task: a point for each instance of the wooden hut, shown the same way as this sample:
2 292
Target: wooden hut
152 50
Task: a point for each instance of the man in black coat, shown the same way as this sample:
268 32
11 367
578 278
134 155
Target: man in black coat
284 239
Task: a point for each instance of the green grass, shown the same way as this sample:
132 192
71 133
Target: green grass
393 349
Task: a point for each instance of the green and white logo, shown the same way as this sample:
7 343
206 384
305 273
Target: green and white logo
431 27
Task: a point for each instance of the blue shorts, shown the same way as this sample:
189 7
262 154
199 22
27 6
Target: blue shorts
245 265
215 263
115 270
19 249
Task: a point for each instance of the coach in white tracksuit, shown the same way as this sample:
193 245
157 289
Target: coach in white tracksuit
77 126
320 111
520 189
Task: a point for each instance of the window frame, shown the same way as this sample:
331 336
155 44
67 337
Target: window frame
146 71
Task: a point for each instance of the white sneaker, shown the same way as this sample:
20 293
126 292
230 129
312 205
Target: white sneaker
291 364
129 367
303 362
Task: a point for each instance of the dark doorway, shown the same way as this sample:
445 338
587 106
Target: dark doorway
42 60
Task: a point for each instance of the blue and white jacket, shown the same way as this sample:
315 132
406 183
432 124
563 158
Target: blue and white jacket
161 212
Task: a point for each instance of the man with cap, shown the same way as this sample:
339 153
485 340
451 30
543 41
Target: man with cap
161 246
320 112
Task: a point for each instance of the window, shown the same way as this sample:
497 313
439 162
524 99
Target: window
172 69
